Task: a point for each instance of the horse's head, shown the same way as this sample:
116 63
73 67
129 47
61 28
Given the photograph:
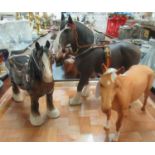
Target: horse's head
64 39
41 62
108 87
71 38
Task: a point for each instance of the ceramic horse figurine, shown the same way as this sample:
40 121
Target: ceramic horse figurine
89 58
86 36
34 74
118 91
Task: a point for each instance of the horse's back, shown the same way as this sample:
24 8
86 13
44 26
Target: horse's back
125 54
137 80
18 67
140 71
19 61
139 77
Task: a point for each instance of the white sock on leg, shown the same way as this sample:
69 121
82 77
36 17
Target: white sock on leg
85 91
37 120
76 100
54 113
18 97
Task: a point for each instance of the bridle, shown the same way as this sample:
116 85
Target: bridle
75 37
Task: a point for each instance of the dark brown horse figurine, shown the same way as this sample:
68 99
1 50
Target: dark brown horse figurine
34 74
89 57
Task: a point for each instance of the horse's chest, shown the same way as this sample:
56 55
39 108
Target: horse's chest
41 88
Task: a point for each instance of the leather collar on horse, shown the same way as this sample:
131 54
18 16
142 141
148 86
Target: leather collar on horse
91 46
75 34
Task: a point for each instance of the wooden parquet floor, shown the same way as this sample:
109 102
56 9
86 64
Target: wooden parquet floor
76 123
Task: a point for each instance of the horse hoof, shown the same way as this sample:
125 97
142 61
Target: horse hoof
115 138
37 120
74 101
112 138
85 94
55 113
18 97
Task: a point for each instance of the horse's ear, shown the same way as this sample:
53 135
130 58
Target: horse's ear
104 68
37 45
121 70
62 16
70 21
47 44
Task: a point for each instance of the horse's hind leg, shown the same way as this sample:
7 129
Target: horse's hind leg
52 112
17 95
76 100
35 118
146 93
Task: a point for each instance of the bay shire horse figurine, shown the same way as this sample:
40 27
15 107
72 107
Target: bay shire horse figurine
34 74
89 57
118 91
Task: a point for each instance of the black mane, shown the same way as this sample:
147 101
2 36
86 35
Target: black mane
85 35
33 70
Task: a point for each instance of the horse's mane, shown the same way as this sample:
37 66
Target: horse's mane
85 34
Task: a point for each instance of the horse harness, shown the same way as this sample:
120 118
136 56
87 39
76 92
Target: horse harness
20 68
24 66
92 46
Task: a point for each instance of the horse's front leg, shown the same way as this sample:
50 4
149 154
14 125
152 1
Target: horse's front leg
86 90
35 118
107 124
52 112
76 100
120 112
118 125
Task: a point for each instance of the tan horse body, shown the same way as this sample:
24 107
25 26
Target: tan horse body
119 91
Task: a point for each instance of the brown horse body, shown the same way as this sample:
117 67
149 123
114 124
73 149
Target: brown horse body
119 91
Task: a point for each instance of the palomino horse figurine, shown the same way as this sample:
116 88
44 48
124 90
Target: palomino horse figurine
89 57
119 91
34 74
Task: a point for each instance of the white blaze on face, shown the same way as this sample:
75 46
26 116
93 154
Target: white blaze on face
47 71
113 76
113 73
108 82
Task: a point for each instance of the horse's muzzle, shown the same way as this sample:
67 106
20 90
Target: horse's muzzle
59 60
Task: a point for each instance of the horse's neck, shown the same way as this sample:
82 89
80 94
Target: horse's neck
85 35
